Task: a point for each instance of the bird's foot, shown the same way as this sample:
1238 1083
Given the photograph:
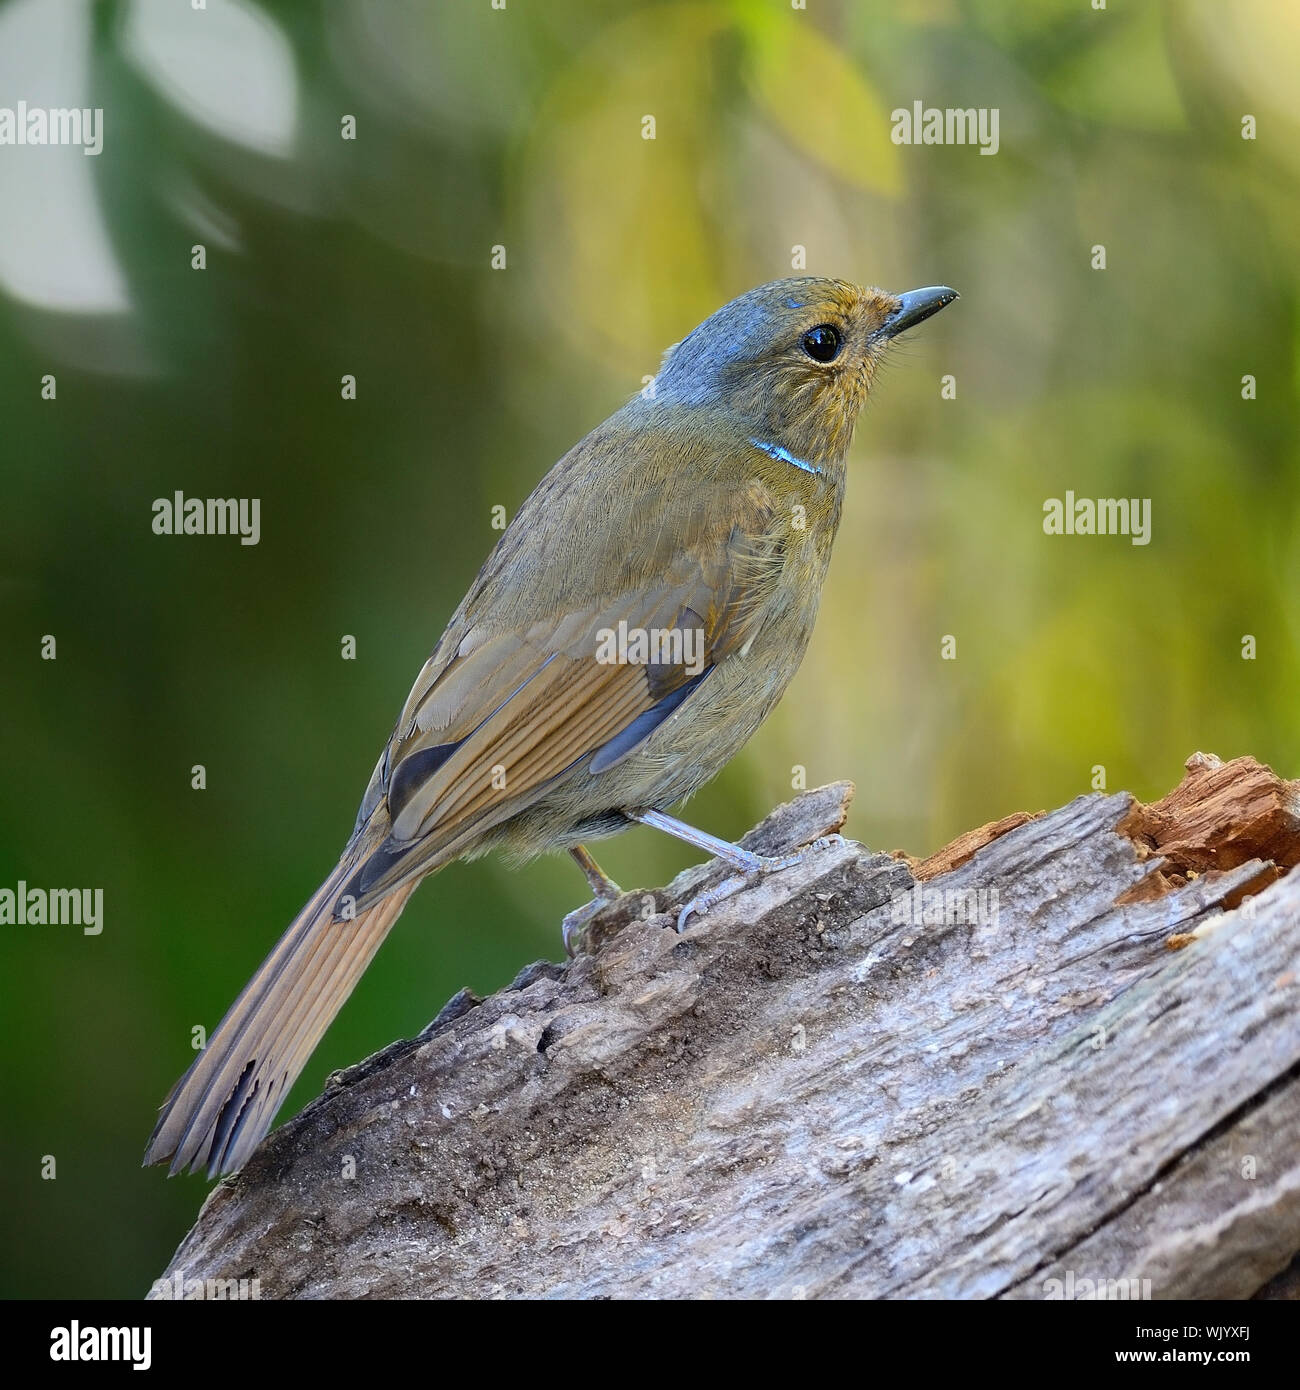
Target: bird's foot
604 891
752 867
575 922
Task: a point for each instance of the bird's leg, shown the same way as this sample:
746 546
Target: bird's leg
604 888
601 884
751 865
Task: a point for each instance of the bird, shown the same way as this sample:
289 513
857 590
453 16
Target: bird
636 622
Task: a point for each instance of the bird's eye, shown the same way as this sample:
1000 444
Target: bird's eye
822 343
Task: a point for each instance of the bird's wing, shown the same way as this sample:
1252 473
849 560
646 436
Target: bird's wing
509 700
514 696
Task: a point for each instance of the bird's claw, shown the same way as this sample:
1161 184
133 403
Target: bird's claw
701 903
576 921
756 866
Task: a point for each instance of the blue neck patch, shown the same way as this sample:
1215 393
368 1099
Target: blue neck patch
777 452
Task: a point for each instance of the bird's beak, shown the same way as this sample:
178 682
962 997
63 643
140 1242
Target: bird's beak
915 307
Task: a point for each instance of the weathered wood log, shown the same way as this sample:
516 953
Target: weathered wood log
1000 1077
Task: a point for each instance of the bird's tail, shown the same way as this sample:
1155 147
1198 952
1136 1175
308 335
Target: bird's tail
220 1110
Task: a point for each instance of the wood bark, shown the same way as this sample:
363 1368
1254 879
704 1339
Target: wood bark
1060 1055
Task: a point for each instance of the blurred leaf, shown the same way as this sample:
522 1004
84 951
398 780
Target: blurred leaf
819 99
233 73
617 227
1123 78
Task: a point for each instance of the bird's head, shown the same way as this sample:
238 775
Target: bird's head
794 359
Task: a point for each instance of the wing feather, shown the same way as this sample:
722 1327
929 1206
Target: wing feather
513 690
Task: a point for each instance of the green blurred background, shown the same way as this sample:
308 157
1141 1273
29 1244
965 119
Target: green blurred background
522 128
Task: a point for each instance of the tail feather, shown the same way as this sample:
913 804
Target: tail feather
221 1109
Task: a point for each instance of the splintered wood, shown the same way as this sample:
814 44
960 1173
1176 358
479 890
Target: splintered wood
1218 817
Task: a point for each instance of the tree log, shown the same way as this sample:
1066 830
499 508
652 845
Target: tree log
1061 1055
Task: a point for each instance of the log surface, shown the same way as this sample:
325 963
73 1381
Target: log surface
1059 1056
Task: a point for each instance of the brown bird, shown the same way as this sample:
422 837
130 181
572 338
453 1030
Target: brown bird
636 623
